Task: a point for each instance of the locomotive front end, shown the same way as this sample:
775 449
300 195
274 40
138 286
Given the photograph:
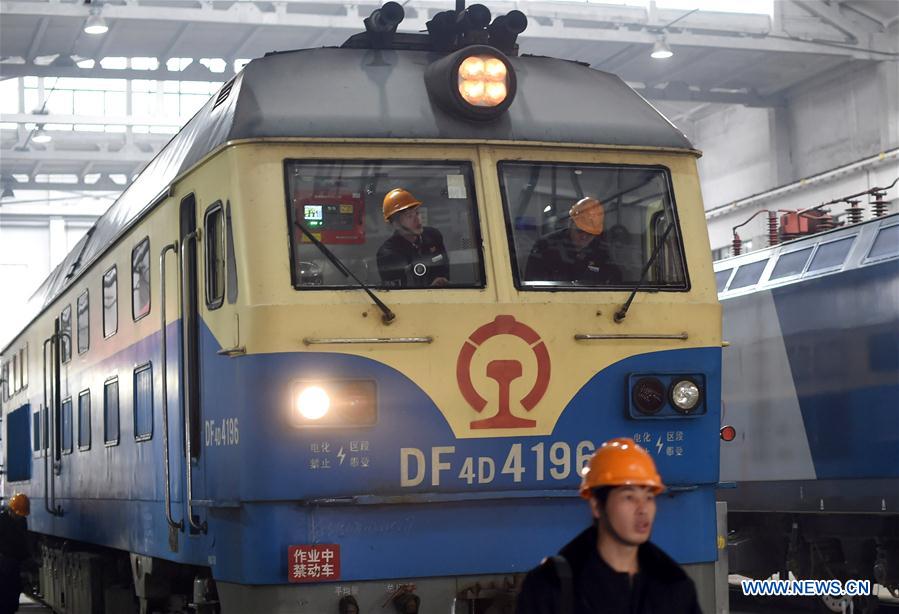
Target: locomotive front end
407 287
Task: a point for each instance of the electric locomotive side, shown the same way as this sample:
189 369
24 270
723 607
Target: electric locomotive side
320 447
810 382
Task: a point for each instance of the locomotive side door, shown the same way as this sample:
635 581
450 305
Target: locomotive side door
190 355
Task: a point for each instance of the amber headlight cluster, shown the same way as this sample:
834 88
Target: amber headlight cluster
333 403
482 80
477 82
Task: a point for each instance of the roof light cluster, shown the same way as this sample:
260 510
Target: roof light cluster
476 83
482 80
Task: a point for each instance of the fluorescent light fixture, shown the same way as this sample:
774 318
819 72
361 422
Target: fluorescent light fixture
661 50
95 24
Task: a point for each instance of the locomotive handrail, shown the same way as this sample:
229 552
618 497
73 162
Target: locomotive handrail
165 393
591 337
192 236
49 479
347 340
45 451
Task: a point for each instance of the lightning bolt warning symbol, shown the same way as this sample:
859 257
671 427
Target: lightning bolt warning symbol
658 446
342 455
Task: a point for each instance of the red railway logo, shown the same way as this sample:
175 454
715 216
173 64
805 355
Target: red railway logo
504 372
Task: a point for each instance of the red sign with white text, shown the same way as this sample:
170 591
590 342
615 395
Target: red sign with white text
317 563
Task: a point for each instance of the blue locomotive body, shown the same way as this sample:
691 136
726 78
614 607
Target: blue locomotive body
811 379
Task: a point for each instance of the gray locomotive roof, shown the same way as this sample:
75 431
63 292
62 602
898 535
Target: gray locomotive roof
306 94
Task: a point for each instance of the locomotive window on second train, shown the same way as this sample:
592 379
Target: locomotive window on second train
791 264
591 226
748 275
721 278
886 243
394 224
830 255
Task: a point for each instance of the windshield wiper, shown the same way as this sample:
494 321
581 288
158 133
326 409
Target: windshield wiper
388 316
622 313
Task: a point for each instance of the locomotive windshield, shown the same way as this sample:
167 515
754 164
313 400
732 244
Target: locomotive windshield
590 226
394 224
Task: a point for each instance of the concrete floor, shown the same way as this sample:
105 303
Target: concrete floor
738 604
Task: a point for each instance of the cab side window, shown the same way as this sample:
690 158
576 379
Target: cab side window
110 302
84 322
214 227
65 332
140 280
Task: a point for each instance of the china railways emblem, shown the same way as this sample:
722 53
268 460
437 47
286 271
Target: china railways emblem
504 372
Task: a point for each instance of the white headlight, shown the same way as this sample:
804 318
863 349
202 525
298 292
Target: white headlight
685 395
313 403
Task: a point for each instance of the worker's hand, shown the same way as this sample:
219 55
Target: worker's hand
440 282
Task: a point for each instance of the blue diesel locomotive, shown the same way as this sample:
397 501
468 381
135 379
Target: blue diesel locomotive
262 423
811 379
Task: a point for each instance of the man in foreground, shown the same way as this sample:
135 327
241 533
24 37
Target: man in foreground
612 566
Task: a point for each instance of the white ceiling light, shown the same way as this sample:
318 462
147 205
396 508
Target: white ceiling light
661 50
95 24
41 137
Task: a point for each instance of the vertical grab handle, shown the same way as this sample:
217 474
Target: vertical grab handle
186 381
48 423
173 247
45 428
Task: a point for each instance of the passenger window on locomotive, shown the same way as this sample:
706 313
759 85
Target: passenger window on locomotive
394 224
591 226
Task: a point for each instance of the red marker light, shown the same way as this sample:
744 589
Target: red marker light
728 433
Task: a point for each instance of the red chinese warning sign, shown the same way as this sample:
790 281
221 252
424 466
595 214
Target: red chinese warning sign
317 563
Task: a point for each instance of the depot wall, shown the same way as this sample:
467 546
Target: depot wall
827 123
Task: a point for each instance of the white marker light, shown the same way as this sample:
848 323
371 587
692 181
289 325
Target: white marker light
685 395
313 403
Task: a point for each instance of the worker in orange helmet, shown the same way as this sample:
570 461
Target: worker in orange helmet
13 550
576 254
612 566
414 256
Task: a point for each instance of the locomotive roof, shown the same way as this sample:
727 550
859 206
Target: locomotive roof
378 94
857 257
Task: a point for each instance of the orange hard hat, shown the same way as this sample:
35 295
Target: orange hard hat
588 214
398 200
20 504
620 462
